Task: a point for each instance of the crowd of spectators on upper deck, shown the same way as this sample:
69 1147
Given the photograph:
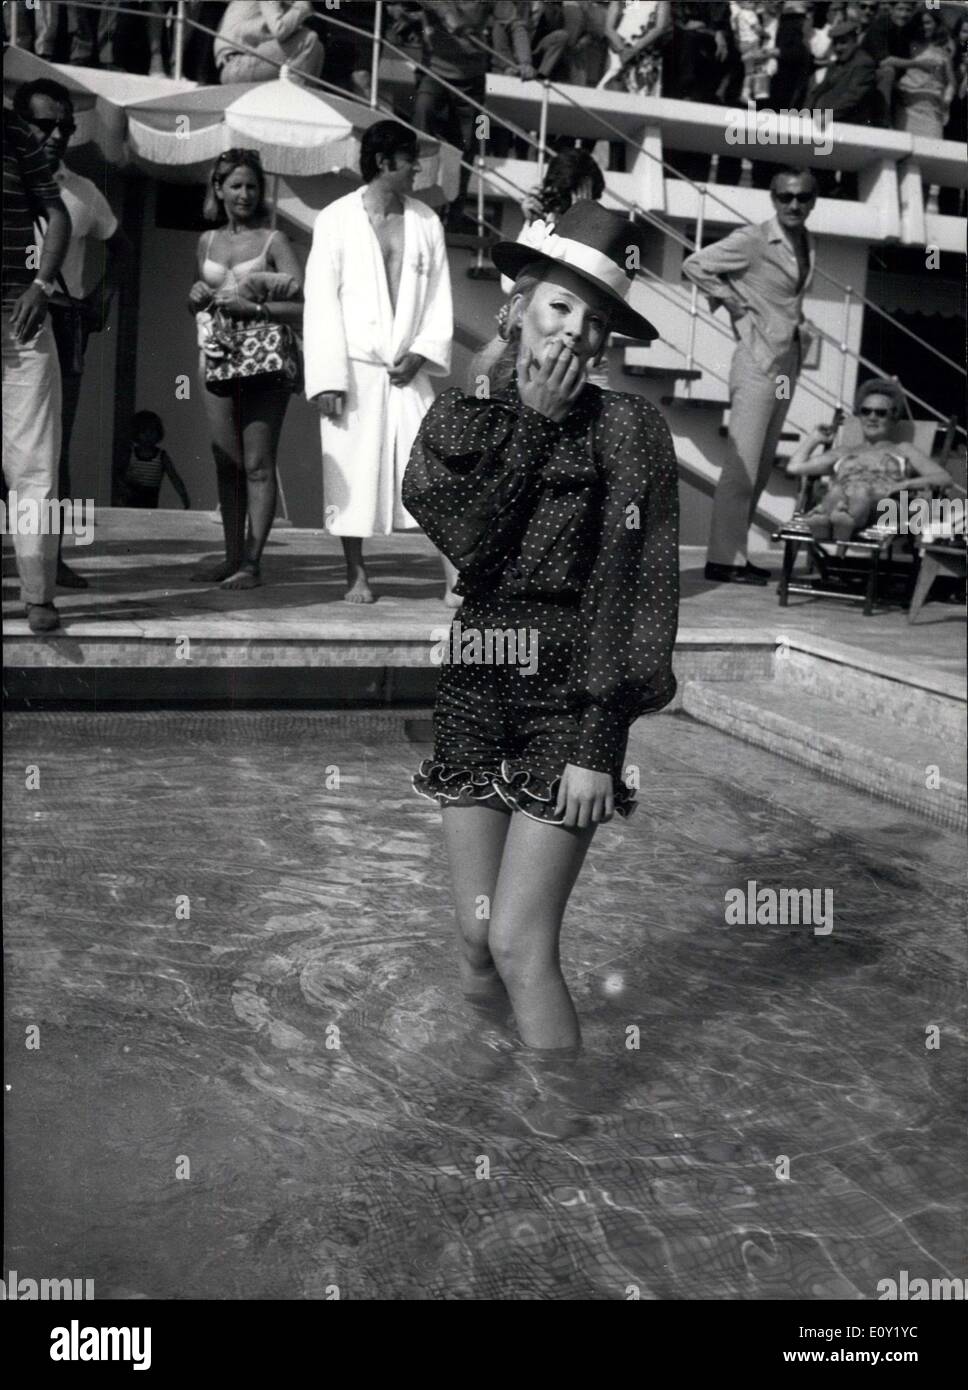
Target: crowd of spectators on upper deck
899 63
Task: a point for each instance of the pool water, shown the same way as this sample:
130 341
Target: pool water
239 1065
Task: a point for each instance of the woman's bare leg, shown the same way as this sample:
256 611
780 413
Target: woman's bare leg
539 867
230 479
262 415
475 836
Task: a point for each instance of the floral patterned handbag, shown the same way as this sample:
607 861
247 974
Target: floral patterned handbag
256 350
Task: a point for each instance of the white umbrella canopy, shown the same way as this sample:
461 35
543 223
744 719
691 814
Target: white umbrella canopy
99 98
297 132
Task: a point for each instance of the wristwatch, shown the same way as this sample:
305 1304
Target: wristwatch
47 286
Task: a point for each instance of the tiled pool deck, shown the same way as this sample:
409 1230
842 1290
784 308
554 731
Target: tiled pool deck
141 596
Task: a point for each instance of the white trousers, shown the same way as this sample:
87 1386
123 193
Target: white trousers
31 448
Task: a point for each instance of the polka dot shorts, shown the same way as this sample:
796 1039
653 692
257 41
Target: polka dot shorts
505 727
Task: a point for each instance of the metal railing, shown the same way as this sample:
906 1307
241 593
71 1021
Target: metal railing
182 21
703 190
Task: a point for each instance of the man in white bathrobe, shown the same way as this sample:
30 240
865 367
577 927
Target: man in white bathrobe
378 325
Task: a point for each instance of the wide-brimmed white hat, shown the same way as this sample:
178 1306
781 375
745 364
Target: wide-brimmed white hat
597 244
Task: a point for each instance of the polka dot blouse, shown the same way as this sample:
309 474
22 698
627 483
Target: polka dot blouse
525 507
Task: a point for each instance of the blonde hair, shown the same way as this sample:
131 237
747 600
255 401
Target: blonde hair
497 361
213 209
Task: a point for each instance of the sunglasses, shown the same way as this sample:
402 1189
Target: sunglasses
874 412
238 155
787 198
66 127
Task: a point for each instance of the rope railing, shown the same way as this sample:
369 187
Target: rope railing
633 208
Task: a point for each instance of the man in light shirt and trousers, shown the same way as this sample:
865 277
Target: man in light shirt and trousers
761 274
46 107
31 374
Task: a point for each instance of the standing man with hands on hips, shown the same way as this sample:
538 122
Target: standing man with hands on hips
31 374
91 271
761 274
378 324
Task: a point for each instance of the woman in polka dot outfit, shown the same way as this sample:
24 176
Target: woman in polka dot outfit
558 504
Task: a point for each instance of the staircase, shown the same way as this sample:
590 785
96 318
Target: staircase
883 727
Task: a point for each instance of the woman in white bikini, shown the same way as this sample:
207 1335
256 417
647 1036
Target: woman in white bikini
245 271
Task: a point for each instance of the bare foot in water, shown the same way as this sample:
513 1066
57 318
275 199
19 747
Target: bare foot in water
553 1120
246 577
213 574
359 591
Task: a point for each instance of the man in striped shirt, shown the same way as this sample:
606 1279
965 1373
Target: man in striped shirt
31 375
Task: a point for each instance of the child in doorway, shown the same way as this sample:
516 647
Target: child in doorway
148 464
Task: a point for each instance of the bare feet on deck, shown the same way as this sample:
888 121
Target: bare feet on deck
213 574
359 591
245 577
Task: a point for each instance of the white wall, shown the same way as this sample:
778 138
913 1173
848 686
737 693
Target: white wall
167 350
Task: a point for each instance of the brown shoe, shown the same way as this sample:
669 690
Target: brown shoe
42 617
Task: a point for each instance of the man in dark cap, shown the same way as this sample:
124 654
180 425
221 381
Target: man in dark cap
848 86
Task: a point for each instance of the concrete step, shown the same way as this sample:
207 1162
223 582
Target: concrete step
921 770
908 696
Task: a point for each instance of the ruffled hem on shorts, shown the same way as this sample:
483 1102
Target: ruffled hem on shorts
519 788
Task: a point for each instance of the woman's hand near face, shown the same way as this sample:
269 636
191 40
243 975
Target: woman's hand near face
552 385
585 797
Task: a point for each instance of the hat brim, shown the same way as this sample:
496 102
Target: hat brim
511 257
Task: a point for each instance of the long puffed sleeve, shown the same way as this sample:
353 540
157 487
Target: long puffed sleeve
324 336
473 479
622 665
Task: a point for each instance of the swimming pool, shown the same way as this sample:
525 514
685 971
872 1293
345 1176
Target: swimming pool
256 1078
